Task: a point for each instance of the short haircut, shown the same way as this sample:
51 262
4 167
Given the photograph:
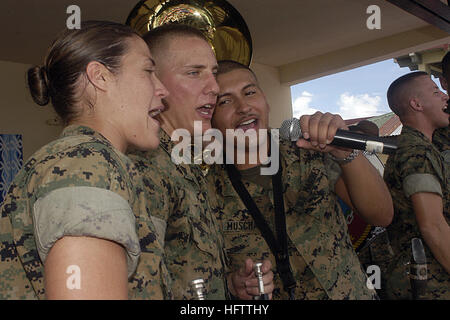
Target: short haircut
157 38
399 91
446 66
226 66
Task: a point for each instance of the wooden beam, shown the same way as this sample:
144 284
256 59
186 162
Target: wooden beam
362 54
433 12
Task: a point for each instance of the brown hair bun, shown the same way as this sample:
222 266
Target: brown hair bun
38 84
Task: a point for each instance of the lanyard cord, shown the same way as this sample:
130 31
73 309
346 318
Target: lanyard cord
279 248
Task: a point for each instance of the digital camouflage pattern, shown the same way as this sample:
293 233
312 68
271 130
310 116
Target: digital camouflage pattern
81 157
185 205
378 252
415 155
441 139
321 254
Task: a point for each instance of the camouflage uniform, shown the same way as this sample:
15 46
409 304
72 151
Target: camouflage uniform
416 167
184 219
81 173
322 258
441 140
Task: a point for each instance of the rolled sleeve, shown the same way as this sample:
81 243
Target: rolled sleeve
421 182
334 171
89 212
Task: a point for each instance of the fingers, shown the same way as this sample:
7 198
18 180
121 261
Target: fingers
239 279
266 266
248 267
252 284
238 288
320 129
245 283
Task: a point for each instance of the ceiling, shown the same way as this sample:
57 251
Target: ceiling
284 32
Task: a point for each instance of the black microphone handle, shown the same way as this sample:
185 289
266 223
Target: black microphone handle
354 140
263 296
290 130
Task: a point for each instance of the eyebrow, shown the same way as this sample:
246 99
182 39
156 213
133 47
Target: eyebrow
200 66
249 85
195 66
223 95
243 89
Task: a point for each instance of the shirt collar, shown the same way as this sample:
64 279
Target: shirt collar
165 141
414 132
168 145
76 130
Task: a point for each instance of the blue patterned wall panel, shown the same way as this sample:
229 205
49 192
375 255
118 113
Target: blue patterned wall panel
11 160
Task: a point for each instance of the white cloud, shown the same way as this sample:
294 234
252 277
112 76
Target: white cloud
358 106
301 105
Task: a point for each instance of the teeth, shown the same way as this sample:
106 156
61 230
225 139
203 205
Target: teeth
154 113
247 122
205 112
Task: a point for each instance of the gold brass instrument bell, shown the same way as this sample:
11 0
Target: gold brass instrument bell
220 22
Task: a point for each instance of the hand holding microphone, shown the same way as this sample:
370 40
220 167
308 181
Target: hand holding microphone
321 132
317 132
247 282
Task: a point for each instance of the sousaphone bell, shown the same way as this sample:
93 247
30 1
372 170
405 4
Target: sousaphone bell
219 21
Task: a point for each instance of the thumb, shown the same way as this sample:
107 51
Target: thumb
305 144
267 266
248 268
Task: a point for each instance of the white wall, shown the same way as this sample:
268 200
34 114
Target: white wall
278 95
19 114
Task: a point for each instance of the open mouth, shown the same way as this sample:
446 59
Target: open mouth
155 112
248 124
206 111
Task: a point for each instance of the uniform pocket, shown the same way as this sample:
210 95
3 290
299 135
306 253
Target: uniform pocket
204 237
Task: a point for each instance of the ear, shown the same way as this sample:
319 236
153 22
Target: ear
98 75
444 83
415 104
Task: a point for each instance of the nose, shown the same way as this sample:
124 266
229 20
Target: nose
242 107
211 86
160 89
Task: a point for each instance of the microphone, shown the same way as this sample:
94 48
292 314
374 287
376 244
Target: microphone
259 275
290 130
198 289
418 274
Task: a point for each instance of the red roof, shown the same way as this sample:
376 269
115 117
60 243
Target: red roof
390 126
355 121
387 123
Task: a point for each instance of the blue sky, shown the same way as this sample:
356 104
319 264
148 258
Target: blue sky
355 93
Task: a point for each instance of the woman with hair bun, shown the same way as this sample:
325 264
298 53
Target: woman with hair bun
74 224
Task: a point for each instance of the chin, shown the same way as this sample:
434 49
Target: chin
205 126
